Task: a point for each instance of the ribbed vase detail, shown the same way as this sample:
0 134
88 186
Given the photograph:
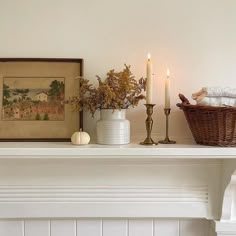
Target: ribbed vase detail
113 127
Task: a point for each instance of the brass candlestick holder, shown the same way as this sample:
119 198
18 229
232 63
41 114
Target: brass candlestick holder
149 123
167 140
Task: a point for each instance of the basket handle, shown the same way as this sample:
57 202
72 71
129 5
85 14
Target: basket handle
184 100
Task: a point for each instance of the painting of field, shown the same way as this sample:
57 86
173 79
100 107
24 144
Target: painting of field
39 99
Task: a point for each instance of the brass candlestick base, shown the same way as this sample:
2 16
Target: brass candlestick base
149 123
167 140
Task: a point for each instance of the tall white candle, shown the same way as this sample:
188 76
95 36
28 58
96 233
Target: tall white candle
167 89
149 81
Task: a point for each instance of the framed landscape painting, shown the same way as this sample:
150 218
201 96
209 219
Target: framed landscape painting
33 94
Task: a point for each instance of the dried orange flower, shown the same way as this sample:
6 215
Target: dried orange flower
119 90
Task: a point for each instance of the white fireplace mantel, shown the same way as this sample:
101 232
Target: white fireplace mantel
59 180
136 151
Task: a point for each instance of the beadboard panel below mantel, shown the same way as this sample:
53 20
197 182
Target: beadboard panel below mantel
106 227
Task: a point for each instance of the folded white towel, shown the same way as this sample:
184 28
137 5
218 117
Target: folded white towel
217 101
216 96
219 92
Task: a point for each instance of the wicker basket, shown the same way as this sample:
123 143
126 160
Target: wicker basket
214 126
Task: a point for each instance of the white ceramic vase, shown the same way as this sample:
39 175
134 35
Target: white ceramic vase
113 127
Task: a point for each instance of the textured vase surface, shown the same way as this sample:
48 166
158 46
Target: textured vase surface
113 127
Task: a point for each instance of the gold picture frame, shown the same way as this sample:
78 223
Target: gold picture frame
33 91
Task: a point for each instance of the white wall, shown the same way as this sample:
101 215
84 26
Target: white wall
195 38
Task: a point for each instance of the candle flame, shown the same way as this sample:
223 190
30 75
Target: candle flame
149 56
168 72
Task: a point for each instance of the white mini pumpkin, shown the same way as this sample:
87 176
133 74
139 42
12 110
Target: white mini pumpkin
80 138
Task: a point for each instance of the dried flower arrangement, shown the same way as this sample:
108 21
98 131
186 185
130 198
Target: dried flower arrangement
119 90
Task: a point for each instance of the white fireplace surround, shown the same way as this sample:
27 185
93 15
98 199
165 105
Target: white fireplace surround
182 189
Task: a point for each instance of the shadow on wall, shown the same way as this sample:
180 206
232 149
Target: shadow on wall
178 126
